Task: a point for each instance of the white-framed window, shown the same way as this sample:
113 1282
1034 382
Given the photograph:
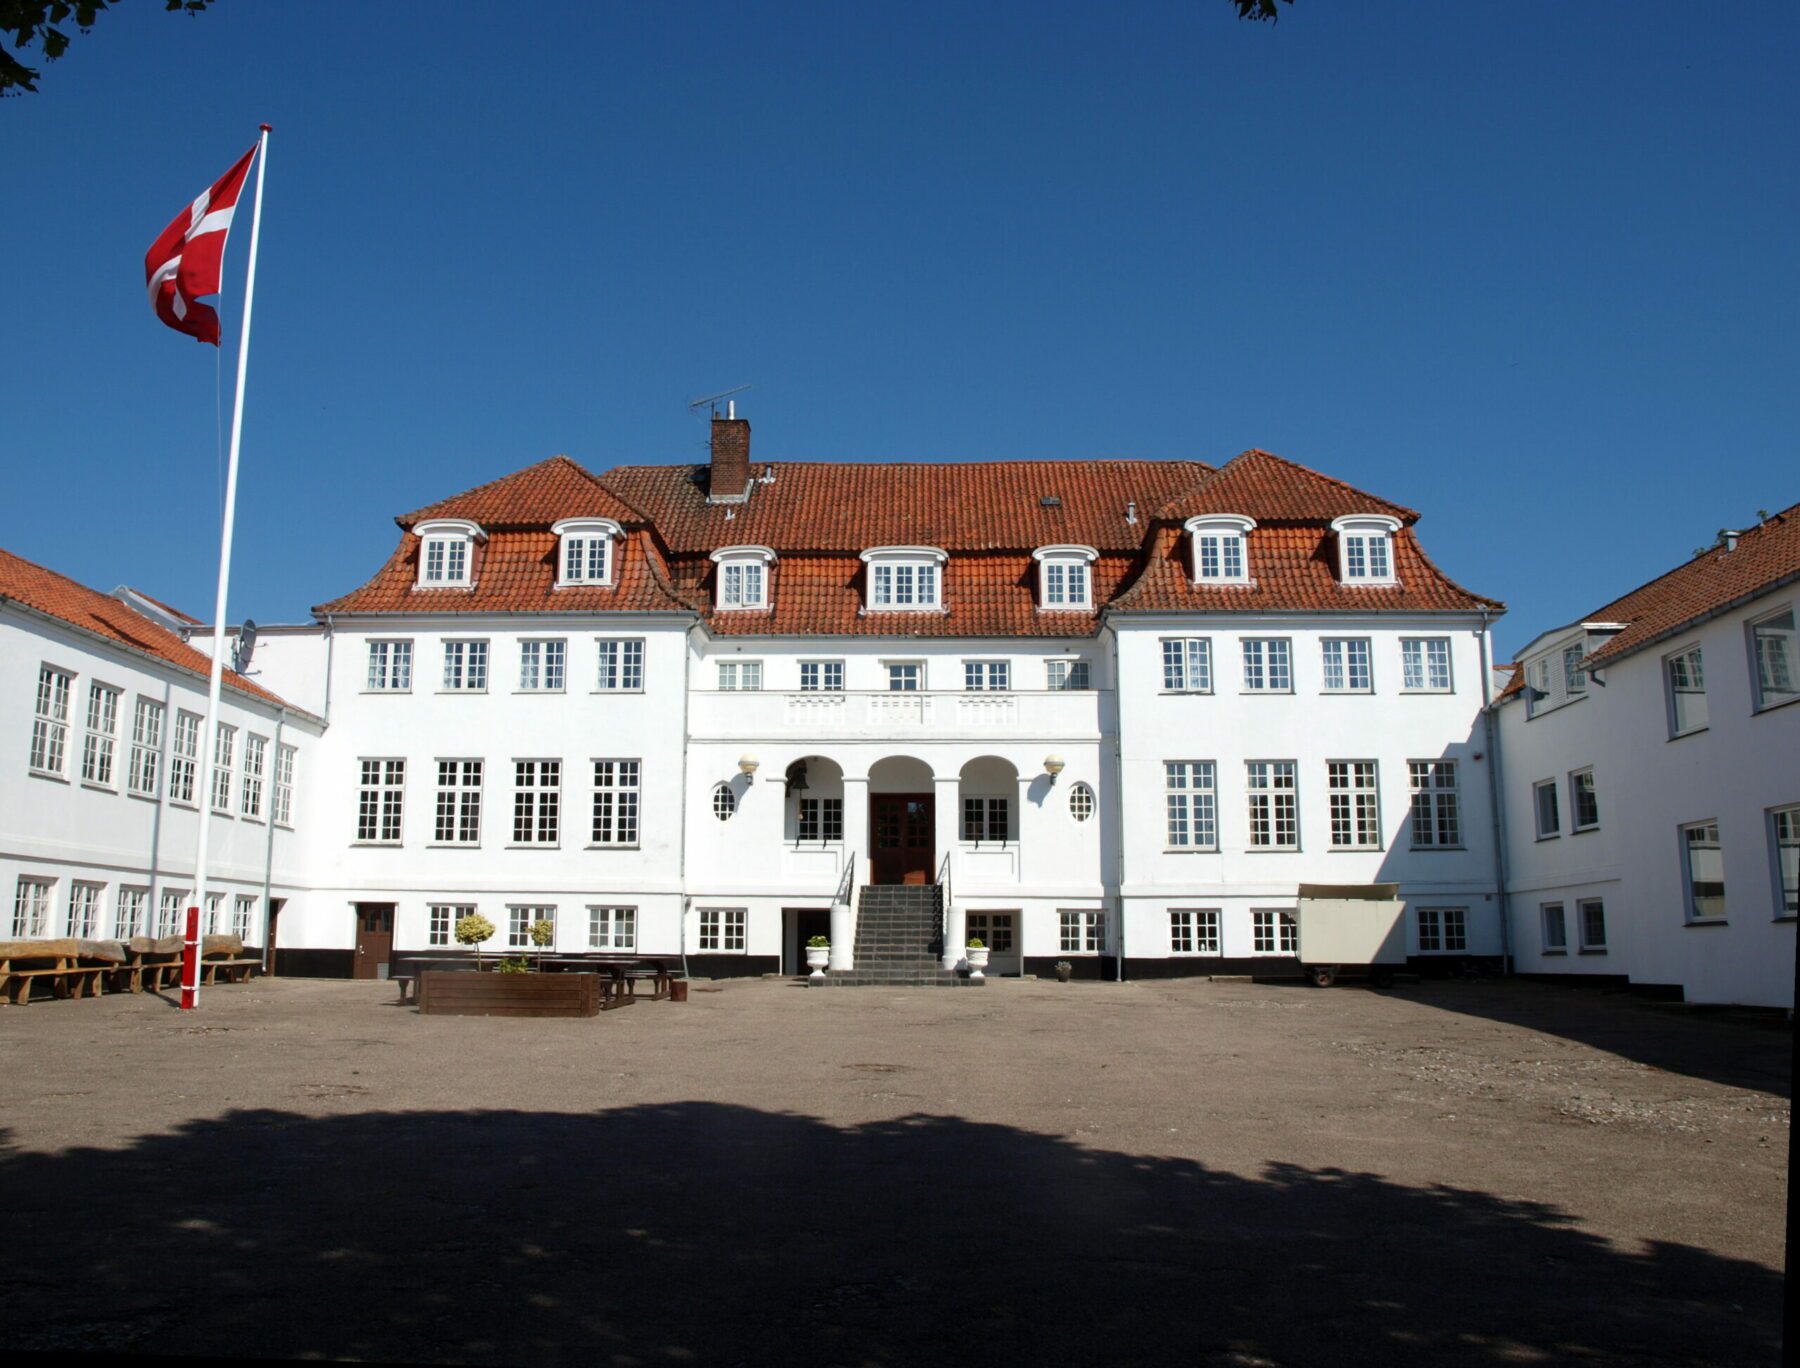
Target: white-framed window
621 668
1065 576
1685 675
1191 804
905 578
1443 930
1543 805
146 748
905 676
1347 665
130 913
1067 674
542 661
987 675
184 757
98 745
724 801
1081 802
390 666
743 577
723 929
521 917
612 928
243 910
616 791
1425 664
1777 658
1273 792
1574 677
441 920
821 676
1273 932
1355 804
1584 801
819 819
1194 930
170 909
985 820
380 798
1187 665
250 791
214 923
1556 928
1537 687
282 811
1436 814
1081 932
1590 917
85 910
585 555
50 720
740 675
31 907
446 553
993 929
1784 854
465 666
1268 665
224 741
458 817
1703 871
1218 548
537 802
1365 548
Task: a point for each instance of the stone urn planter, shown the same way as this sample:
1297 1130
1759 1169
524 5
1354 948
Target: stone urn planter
818 955
977 954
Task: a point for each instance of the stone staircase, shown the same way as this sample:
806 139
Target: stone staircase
898 930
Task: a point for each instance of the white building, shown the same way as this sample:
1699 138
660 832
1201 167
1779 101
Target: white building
1651 756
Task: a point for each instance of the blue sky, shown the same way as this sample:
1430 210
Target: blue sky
1530 268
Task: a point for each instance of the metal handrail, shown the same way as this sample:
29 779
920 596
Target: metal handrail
943 880
846 883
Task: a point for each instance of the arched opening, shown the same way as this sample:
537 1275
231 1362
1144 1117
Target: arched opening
988 797
988 815
902 822
815 803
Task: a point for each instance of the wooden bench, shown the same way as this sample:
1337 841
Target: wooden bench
152 963
58 963
222 960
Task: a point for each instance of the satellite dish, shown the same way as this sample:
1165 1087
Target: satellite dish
246 643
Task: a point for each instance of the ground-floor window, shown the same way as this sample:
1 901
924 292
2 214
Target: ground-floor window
84 910
1593 923
520 920
215 912
1274 932
443 920
168 912
1556 929
1083 933
31 906
723 928
1443 929
1785 825
130 915
992 929
612 928
1194 930
241 912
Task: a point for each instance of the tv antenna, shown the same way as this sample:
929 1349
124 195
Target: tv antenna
712 400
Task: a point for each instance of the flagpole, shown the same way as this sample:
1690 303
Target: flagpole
190 977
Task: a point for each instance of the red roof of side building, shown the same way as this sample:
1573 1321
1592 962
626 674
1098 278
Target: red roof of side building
60 597
536 496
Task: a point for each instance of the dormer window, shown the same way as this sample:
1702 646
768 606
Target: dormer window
1366 549
905 579
1065 576
447 553
1219 548
743 577
585 550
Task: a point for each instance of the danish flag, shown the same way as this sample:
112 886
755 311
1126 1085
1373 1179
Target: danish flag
183 263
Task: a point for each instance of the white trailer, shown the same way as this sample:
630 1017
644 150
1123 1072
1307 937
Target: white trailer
1350 927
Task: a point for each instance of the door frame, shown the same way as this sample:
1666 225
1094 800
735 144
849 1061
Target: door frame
356 947
930 802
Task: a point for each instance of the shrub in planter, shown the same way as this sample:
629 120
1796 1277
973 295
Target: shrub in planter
818 943
473 930
543 934
976 943
513 966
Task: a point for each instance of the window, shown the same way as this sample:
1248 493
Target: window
1194 931
905 676
1347 667
615 803
381 791
1425 664
1443 929
1219 549
541 665
1772 642
993 929
985 819
821 676
1081 802
1267 665
1703 871
390 666
1274 932
1436 821
819 819
987 675
221 772
1537 686
102 732
458 820
1355 805
1187 664
146 748
169 918
184 758
612 928
740 675
621 665
442 919
1687 691
743 584
1574 677
1066 674
243 907
724 802
31 908
1784 828
1543 798
722 929
50 723
1366 549
537 802
904 579
1274 805
1556 930
250 792
1584 802
84 910
283 811
586 559
1065 579
1191 805
520 918
214 924
465 666
1083 933
444 553
1591 913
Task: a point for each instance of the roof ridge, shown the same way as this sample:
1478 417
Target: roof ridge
1759 529
901 463
1412 515
406 520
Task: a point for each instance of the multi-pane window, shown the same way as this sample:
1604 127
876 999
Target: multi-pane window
442 919
133 904
541 665
586 560
458 819
1591 916
1187 664
722 928
985 819
903 584
390 666
987 675
1574 677
1687 691
146 747
819 819
616 789
380 792
84 910
1543 799
1273 932
1268 665
1194 931
724 801
102 735
621 664
905 676
243 908
465 666
743 584
1191 804
1219 555
1066 583
1537 686
740 675
993 929
1556 929
1367 556
1436 817
184 756
50 722
1082 933
446 560
1347 668
537 802
170 909
214 903
1703 868
822 676
1784 832
1274 804
283 808
1584 801
1777 659
1066 674
1355 804
1425 664
224 741
612 928
1443 929
1081 802
520 918
250 792
31 907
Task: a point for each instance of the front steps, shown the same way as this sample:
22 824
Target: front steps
899 928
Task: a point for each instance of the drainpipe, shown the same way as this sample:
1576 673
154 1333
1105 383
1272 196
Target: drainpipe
687 656
1118 800
1496 791
269 847
330 648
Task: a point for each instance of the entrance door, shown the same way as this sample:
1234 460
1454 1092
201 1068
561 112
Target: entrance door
799 925
374 940
274 925
902 835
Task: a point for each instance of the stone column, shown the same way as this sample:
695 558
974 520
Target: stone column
947 811
856 847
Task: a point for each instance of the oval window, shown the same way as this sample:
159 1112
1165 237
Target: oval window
724 802
1081 802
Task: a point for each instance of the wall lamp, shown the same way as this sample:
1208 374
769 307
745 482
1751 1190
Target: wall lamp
1053 766
747 766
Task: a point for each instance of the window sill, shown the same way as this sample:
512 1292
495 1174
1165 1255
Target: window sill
378 845
529 692
1194 954
1186 693
254 821
98 787
384 691
1548 953
46 774
1548 836
583 584
453 845
1789 919
1695 923
1691 731
592 845
1272 850
532 845
1191 850
1762 708
142 797
184 803
1442 691
1354 850
1447 849
1282 692
1592 950
1586 830
1346 693
639 690
461 691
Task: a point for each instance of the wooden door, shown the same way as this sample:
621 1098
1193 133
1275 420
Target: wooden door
272 929
374 940
902 836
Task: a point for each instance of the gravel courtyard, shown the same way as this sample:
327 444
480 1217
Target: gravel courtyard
1225 1173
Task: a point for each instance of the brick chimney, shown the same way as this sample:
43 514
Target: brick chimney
730 479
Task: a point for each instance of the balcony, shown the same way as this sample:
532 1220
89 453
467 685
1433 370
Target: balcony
943 715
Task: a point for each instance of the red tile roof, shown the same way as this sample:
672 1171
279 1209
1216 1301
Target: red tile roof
536 496
1270 488
60 597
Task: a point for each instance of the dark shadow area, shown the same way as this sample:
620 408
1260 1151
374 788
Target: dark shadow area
702 1233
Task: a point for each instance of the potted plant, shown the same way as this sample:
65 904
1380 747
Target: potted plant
818 955
978 957
543 934
1063 970
474 930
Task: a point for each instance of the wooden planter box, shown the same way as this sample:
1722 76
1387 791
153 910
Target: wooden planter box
466 993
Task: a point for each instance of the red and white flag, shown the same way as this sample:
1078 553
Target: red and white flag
183 263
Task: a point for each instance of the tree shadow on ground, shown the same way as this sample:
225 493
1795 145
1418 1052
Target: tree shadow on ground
703 1233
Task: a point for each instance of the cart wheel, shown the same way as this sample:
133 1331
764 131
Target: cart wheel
1322 975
